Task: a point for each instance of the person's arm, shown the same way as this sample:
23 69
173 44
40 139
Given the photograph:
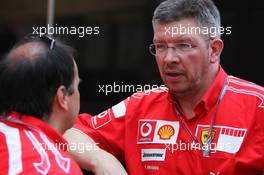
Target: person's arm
93 159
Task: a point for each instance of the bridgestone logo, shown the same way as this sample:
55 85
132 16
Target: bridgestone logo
152 155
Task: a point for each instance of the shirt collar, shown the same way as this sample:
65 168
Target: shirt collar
210 97
38 124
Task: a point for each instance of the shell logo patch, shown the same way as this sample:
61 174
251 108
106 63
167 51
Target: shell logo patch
157 131
165 132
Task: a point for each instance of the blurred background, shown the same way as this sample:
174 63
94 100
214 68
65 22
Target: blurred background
119 53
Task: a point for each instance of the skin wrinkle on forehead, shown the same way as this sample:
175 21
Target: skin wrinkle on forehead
28 50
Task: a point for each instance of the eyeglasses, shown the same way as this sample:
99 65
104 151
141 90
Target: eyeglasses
47 39
161 49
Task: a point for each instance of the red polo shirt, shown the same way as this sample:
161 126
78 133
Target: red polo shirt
30 146
144 131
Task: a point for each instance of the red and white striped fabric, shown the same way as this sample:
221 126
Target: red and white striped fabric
30 146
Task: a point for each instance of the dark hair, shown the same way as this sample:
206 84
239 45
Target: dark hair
204 12
28 85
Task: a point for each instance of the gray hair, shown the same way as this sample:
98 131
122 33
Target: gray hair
204 12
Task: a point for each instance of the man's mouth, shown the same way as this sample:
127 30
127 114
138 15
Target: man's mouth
172 75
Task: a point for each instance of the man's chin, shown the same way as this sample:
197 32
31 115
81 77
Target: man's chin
177 88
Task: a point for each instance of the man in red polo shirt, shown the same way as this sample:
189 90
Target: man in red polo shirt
39 100
203 122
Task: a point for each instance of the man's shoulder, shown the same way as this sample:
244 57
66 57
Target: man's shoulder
24 144
235 83
10 126
147 98
159 92
244 90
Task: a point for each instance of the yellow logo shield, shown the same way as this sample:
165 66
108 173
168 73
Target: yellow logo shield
205 133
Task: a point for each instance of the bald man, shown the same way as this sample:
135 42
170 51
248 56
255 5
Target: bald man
39 100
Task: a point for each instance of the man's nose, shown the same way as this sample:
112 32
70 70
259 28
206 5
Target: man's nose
172 56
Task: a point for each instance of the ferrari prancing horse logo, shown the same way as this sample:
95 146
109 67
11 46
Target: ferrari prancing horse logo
205 133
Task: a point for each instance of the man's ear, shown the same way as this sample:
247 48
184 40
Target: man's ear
216 48
62 98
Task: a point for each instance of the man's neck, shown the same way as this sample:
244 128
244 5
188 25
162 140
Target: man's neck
55 122
188 103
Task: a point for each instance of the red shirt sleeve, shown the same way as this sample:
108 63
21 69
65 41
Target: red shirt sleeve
107 128
260 136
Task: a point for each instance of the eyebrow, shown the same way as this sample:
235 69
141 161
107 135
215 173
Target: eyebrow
181 38
185 37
